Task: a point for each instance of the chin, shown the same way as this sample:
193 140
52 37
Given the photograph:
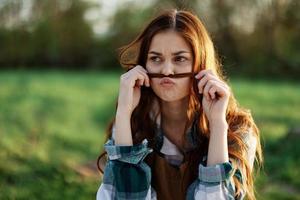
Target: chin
171 98
170 95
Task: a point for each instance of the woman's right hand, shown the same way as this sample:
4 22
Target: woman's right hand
130 89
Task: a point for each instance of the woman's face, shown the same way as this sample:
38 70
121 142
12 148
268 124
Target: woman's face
169 54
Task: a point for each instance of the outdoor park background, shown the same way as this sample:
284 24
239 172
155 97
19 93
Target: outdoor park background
60 74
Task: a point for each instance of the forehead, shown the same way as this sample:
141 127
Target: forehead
168 41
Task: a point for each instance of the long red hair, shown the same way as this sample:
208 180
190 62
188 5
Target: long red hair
239 120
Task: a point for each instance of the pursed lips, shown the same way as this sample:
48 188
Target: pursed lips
166 81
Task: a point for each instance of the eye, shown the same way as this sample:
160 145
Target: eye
155 58
180 59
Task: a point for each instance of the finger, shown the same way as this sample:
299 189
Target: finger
146 78
136 79
142 69
139 76
204 80
219 90
210 76
208 73
133 78
144 72
202 83
140 82
207 87
223 91
203 73
212 92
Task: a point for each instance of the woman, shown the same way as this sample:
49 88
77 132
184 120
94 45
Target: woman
178 131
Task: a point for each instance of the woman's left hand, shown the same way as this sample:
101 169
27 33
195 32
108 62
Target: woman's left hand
215 95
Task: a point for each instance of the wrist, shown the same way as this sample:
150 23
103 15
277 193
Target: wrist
222 122
123 113
218 126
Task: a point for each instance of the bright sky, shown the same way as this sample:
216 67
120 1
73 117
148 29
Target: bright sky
100 16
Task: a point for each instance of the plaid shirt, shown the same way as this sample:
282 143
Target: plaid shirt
127 176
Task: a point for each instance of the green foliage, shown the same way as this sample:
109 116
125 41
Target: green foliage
51 123
58 37
274 105
251 37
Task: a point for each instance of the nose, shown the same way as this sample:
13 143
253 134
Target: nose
168 69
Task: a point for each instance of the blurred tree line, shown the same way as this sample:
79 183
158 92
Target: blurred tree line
257 37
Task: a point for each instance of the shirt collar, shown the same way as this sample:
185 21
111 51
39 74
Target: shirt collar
165 146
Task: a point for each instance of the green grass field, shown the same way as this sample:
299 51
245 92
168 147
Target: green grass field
52 128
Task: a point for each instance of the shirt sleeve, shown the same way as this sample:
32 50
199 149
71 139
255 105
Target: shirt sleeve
216 182
126 175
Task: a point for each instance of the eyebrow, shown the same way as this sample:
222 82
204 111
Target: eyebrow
175 53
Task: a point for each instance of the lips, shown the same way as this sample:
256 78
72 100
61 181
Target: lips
166 81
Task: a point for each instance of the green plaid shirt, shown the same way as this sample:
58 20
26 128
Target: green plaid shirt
127 176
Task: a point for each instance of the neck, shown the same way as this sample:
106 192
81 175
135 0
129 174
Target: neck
173 121
174 113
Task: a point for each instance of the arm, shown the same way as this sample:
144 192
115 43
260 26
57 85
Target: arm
123 129
215 175
215 181
218 147
126 175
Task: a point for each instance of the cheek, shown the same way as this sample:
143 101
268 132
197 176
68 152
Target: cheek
185 85
154 84
151 68
154 81
147 66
